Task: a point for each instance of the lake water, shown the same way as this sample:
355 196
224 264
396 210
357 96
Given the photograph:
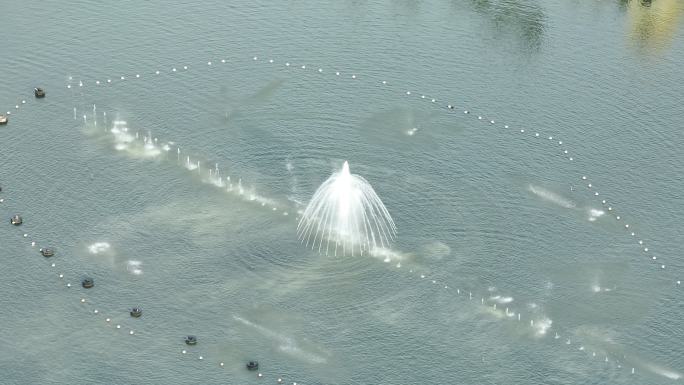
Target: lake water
494 222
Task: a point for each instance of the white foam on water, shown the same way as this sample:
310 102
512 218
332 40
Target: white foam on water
594 214
99 247
551 196
388 255
671 374
541 326
134 267
501 300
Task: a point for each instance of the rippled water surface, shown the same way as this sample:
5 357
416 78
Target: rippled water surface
494 222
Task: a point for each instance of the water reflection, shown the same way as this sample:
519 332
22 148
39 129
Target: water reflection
653 23
523 19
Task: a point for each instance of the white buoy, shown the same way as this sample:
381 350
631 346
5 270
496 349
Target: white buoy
123 78
208 63
320 70
408 92
61 276
68 285
183 351
107 319
156 72
645 249
255 58
353 76
201 358
109 80
221 364
131 332
506 126
118 326
82 300
173 69
137 75
96 311
303 67
384 82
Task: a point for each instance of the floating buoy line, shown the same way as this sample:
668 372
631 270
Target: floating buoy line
538 323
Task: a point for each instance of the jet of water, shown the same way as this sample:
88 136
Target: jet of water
346 216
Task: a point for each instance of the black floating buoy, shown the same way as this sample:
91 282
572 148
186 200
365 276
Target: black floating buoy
47 252
252 365
87 283
191 340
136 312
16 220
40 93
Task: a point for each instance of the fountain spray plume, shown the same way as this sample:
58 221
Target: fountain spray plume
346 216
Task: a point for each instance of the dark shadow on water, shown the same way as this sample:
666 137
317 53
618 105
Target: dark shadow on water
523 19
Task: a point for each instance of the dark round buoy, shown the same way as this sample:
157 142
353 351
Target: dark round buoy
191 340
252 365
16 220
39 92
88 283
47 252
136 312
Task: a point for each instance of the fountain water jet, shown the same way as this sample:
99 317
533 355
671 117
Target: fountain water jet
345 212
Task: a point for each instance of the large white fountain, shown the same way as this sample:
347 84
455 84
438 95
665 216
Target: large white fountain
346 217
